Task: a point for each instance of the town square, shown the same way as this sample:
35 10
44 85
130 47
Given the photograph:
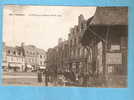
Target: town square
94 54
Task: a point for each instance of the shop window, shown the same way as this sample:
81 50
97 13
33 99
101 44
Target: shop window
110 69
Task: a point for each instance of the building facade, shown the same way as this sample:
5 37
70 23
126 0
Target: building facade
23 58
14 59
69 56
96 49
41 59
107 37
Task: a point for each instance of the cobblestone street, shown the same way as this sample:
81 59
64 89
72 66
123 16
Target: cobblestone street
92 53
21 79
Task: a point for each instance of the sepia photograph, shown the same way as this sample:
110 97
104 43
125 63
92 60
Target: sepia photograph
65 46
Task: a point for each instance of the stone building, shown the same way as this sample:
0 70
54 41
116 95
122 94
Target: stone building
41 59
96 49
69 55
30 54
23 58
35 58
14 58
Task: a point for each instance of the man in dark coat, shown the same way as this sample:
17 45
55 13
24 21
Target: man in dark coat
39 76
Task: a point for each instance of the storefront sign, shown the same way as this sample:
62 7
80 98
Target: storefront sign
15 65
115 47
113 58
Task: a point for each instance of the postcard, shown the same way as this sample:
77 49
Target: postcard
65 46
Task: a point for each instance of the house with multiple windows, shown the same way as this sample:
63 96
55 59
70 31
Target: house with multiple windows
23 58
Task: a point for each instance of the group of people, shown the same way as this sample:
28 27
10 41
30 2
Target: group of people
42 76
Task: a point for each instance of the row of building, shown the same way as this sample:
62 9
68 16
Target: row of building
23 58
97 47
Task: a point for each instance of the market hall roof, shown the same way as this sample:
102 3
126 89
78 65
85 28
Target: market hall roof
106 19
110 16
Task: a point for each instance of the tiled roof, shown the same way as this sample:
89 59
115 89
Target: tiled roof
110 16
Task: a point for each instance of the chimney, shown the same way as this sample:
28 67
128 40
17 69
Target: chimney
22 44
80 18
60 41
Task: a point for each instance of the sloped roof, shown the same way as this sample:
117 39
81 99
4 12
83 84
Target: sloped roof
41 51
110 16
104 17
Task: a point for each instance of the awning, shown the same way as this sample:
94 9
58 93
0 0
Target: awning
4 64
42 67
15 65
100 31
111 20
29 66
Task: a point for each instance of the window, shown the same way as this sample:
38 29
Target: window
75 41
85 52
31 60
81 51
110 69
12 59
40 56
40 62
14 52
70 42
78 52
82 26
8 51
19 53
74 52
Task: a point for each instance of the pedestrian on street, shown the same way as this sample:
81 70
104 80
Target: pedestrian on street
46 77
40 77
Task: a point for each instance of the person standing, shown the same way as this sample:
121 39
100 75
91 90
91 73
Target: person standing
40 77
45 73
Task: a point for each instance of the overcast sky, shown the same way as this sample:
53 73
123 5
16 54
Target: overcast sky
40 25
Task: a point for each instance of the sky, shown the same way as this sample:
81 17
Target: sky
41 26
